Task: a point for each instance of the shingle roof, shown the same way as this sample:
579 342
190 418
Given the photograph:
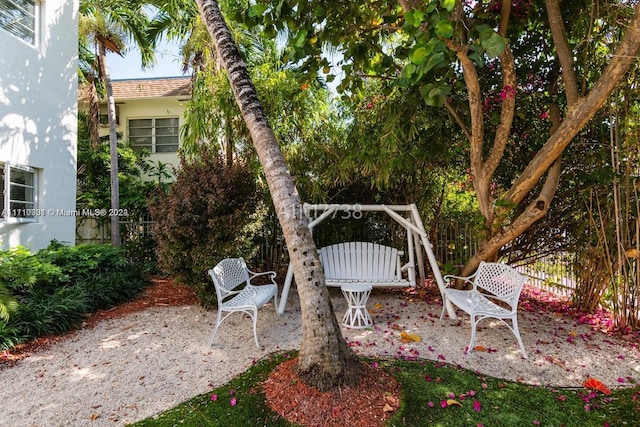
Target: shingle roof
151 88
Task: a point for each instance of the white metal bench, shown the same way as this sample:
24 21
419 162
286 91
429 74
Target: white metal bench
231 274
495 294
364 262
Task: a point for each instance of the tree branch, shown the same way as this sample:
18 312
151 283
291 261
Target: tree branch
581 112
457 118
565 55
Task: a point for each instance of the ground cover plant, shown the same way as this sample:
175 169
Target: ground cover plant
53 290
433 394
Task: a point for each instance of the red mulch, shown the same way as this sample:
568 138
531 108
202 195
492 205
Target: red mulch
369 404
162 292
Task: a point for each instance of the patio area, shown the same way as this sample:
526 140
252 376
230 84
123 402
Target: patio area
139 363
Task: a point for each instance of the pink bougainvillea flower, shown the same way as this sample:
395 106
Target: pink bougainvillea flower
443 403
431 404
536 422
231 392
477 406
620 380
214 397
544 115
233 401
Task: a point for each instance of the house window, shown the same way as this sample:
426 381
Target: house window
155 135
18 201
20 18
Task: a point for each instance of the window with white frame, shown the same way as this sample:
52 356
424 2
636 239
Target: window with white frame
159 135
19 193
20 18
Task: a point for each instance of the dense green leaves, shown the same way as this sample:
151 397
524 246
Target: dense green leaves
54 289
204 218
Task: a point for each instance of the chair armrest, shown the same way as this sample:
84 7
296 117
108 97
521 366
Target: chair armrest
466 279
253 274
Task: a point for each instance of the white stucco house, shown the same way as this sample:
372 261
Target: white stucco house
149 114
38 121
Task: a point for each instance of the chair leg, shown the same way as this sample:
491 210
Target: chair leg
516 332
275 302
255 322
218 321
474 322
444 307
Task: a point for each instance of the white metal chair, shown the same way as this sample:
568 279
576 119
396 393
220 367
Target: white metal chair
500 285
232 273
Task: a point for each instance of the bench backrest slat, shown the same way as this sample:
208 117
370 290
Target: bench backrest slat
360 261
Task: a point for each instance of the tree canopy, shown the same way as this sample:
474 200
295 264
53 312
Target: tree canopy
478 60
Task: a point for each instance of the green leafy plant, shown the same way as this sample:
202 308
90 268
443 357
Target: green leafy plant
53 290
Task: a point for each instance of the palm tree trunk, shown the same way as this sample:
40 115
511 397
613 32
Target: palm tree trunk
113 147
325 360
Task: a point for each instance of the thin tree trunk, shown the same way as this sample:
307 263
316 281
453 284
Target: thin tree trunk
325 359
113 147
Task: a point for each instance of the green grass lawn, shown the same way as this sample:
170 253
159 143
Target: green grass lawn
433 394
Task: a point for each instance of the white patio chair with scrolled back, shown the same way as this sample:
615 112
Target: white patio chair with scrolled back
231 274
495 294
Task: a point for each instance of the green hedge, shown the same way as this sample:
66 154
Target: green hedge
53 290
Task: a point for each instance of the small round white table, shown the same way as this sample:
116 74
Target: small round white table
356 316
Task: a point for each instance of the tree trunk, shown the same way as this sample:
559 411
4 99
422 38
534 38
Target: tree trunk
547 160
325 359
113 147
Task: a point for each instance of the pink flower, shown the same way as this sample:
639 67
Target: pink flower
536 422
476 406
431 404
214 397
233 401
544 115
443 403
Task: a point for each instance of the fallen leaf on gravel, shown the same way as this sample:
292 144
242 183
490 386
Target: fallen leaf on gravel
479 348
406 337
94 416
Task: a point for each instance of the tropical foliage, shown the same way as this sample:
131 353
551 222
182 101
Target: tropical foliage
54 289
205 217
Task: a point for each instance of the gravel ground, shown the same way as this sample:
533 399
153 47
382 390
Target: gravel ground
135 366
